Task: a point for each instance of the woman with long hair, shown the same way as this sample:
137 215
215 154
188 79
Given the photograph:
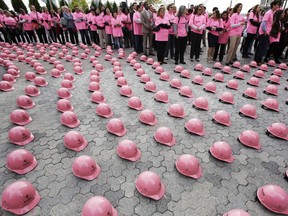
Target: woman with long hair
180 29
214 25
27 26
56 27
72 30
108 26
47 21
237 22
117 30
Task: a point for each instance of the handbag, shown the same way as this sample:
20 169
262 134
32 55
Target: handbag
63 21
35 24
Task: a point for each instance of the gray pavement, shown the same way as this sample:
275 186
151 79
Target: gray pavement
222 187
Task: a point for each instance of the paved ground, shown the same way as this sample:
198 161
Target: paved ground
222 187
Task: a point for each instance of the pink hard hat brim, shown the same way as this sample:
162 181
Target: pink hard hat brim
149 90
156 196
195 176
102 101
79 73
25 122
70 96
258 146
41 73
270 131
128 95
173 141
168 80
25 142
29 107
186 95
225 124
25 209
120 134
57 76
228 160
27 169
92 176
71 109
71 125
137 108
7 90
263 103
80 148
150 123
135 158
254 116
42 85
107 116
179 116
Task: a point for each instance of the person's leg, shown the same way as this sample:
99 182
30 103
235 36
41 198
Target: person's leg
150 42
87 37
161 50
140 44
276 52
177 49
216 52
44 35
183 44
167 48
222 52
158 52
198 46
145 37
71 34
231 54
204 38
262 48
82 34
246 45
171 45
193 45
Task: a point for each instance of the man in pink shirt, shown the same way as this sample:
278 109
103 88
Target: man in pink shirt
137 27
264 32
81 25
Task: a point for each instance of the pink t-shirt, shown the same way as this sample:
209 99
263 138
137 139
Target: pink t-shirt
9 21
80 20
268 18
236 19
251 29
36 16
162 34
46 20
181 26
108 28
92 19
224 36
215 23
171 18
137 26
197 21
116 30
27 26
126 18
99 20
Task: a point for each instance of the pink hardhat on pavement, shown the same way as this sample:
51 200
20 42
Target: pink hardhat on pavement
40 81
108 57
30 76
253 64
75 141
61 68
217 65
164 135
274 79
116 68
218 77
20 117
283 66
97 97
164 76
253 81
104 110
249 111
135 103
199 67
86 168
148 117
236 212
9 78
121 55
150 86
78 70
222 117
69 119
116 127
185 74
250 93
250 138
94 72
161 96
195 126
278 72
222 151
55 73
126 91
25 102
150 61
227 70
279 130
118 74
69 76
273 198
94 86
159 70
121 81
13 72
263 67
246 68
19 197
236 64
144 78
259 74
175 83
143 58
6 86
178 69
64 93
271 89
140 72
31 90
99 67
271 63
210 87
98 206
67 84
271 104
64 105
133 61
176 110
149 184
40 70
188 165
186 91
155 65
227 97
198 80
239 75
136 66
201 103
20 161
20 135
128 150
207 72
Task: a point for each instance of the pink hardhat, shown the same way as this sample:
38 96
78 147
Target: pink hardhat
264 67
150 86
239 75
164 135
104 110
128 150
92 58
121 55
185 74
236 212
87 51
133 61
130 58
94 63
175 83
19 197
271 89
227 69
69 76
83 56
60 67
222 117
217 65
94 72
78 70
32 90
227 97
75 141
222 151
155 65
20 135
283 66
259 74
29 59
30 76
37 64
161 96
64 105
148 117
9 78
121 81
64 93
201 103
117 63
176 110
250 93
159 70
97 97
207 72
195 126
140 72
55 73
76 64
118 74
250 138
199 67
40 81
99 67
249 111
186 91
198 80
178 69
271 63
67 84
245 68
40 70
144 78
210 87
21 58
236 64
274 79
149 184
20 117
218 77
164 76
75 52
69 119
137 66
6 86
278 72
116 127
188 165
135 103
254 81
86 168
143 58
273 198
279 130
25 102
94 86
126 91
20 161
61 55
99 206
13 72
116 68
253 64
97 54
271 104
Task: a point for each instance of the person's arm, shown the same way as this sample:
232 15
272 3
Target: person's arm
257 24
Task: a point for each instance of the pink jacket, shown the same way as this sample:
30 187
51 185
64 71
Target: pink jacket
100 21
137 26
26 20
181 26
251 29
116 30
108 28
36 16
215 24
46 17
9 21
197 22
126 18
171 18
235 25
92 19
162 34
268 18
224 36
80 21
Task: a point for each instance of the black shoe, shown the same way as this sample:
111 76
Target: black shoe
227 64
266 60
245 56
191 60
176 63
182 62
277 61
197 60
151 54
164 62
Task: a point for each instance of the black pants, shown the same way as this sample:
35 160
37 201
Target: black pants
12 34
180 45
128 40
65 32
94 36
32 36
42 35
161 50
170 46
3 31
221 54
85 37
138 46
249 39
274 49
262 48
73 36
195 45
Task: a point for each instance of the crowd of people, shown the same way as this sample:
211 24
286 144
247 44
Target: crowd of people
167 30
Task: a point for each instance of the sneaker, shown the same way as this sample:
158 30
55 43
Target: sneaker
164 62
151 54
197 60
191 60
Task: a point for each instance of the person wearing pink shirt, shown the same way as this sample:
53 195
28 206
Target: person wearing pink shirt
253 23
127 28
223 37
81 25
36 20
10 24
2 29
46 17
274 37
170 16
137 28
180 28
214 25
264 32
101 29
197 24
237 22
92 25
117 30
27 26
162 35
56 27
205 14
188 16
108 27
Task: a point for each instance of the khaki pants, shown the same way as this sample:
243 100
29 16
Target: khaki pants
233 46
102 37
147 39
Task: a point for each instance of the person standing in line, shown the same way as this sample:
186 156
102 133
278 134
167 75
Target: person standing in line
27 26
180 28
56 27
117 30
127 28
101 29
93 27
205 14
237 21
170 16
37 24
162 35
137 27
108 27
264 32
10 24
63 23
46 17
81 25
72 30
197 23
